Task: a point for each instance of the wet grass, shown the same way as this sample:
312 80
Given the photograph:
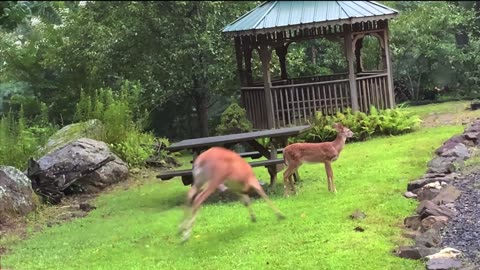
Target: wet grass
136 228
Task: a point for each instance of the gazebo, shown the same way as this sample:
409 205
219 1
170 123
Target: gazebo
274 25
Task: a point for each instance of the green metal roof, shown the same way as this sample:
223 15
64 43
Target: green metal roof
285 15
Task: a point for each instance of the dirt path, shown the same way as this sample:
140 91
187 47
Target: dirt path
440 119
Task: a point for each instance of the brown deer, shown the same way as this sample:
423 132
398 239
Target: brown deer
296 154
214 168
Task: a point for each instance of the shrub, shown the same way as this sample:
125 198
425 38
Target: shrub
123 120
378 122
20 140
234 120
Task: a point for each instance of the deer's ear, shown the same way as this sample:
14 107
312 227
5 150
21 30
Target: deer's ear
335 125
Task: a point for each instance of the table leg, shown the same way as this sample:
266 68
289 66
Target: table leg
272 170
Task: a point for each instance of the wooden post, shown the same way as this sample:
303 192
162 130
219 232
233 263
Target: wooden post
265 57
247 54
389 67
239 56
281 52
358 54
348 38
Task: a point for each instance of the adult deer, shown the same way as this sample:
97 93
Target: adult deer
326 152
218 168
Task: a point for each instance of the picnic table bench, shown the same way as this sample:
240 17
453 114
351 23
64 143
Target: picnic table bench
277 138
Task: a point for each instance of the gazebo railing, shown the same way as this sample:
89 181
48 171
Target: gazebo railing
253 99
305 79
372 90
295 104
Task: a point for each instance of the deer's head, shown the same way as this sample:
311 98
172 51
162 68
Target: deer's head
343 130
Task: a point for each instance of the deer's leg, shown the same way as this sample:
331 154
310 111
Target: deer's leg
255 185
331 185
287 178
197 202
192 192
247 202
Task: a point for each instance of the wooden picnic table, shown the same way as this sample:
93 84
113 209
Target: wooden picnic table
278 138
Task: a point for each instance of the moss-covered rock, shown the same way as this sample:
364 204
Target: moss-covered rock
92 129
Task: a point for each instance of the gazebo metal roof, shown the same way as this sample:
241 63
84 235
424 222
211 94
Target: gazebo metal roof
292 15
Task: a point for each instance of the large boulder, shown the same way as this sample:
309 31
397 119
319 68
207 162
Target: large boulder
92 129
16 196
82 166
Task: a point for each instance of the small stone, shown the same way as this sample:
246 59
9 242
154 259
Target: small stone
430 238
86 207
412 222
410 195
459 150
447 195
443 264
428 208
446 253
441 165
433 222
427 194
410 234
359 229
415 253
472 136
435 185
358 215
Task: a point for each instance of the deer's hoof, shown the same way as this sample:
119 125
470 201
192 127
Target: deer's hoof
253 218
280 216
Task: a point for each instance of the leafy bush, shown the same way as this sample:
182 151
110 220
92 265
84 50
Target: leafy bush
234 120
123 120
378 122
20 140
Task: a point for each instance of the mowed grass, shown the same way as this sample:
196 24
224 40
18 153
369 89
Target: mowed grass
136 228
453 107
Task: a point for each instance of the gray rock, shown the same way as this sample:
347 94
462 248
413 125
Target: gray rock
433 222
472 136
459 150
92 129
428 208
358 215
442 164
410 234
69 168
410 195
416 184
447 195
450 144
412 222
430 238
427 193
415 253
443 264
16 195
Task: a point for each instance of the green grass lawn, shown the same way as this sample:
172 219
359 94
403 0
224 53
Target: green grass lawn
136 228
454 107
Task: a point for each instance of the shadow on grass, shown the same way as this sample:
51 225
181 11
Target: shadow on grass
210 240
169 201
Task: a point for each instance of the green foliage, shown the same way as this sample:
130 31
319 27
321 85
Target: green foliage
122 119
234 120
425 51
376 123
20 140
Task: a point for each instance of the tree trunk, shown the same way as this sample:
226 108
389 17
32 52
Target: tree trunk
201 104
